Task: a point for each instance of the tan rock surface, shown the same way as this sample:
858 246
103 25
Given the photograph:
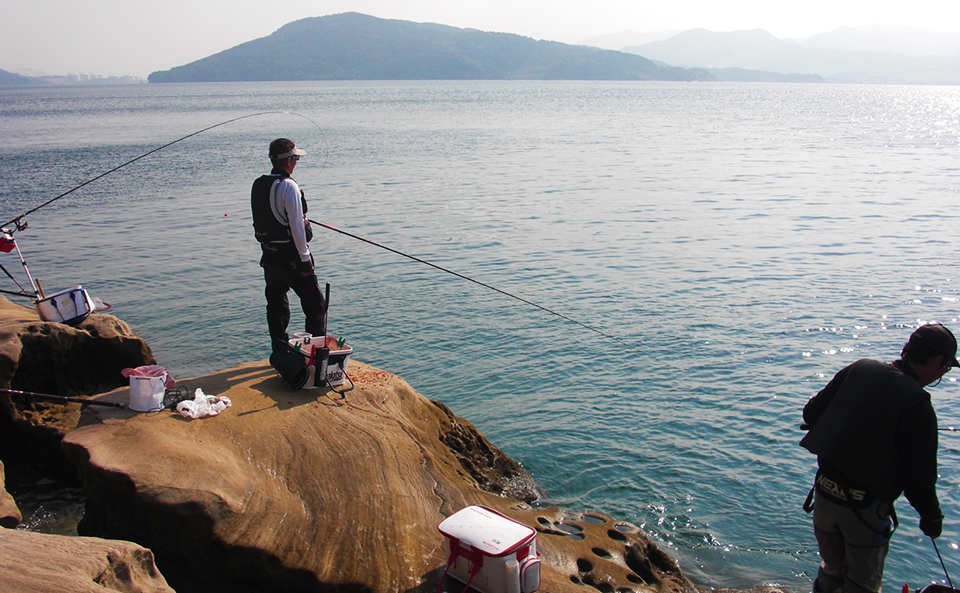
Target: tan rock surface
38 563
300 491
9 513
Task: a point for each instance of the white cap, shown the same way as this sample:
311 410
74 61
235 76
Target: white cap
290 153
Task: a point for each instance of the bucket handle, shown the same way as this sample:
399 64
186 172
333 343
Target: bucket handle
342 393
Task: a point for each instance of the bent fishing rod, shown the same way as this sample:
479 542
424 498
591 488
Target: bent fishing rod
462 276
19 219
20 224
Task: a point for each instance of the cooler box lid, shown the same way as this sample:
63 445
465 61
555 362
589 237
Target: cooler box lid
486 530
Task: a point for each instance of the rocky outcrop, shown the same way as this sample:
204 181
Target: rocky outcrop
284 491
38 563
54 358
9 513
303 491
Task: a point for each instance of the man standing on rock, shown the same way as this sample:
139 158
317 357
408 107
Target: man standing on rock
874 432
281 227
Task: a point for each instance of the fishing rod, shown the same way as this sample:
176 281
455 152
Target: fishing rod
22 292
806 426
458 275
18 219
61 398
934 542
12 293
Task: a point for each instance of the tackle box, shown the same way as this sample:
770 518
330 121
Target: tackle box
490 552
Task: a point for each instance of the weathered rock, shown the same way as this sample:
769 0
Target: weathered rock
301 491
39 563
9 513
57 359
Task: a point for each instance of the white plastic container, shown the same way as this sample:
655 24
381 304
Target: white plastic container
69 306
490 552
146 393
337 360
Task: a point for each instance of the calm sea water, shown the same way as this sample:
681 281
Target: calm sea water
744 242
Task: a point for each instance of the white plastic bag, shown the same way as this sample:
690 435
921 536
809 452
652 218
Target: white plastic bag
151 371
203 405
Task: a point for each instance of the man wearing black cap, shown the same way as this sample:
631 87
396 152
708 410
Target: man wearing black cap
281 227
874 432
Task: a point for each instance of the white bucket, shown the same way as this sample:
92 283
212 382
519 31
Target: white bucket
337 366
337 360
146 393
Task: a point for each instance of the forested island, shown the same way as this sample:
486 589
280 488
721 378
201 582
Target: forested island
354 46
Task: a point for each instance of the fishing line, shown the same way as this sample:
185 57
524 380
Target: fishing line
458 275
18 219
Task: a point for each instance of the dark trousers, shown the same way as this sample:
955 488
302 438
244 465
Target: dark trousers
853 546
280 278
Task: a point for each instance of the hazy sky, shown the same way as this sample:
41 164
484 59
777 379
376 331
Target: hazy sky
137 37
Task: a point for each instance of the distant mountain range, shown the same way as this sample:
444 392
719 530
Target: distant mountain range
618 41
354 46
878 54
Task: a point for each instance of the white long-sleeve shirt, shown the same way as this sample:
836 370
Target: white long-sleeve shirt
286 205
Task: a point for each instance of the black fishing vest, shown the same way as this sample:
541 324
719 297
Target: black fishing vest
856 432
266 227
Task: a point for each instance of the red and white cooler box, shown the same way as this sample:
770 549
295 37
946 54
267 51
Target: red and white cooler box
490 552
